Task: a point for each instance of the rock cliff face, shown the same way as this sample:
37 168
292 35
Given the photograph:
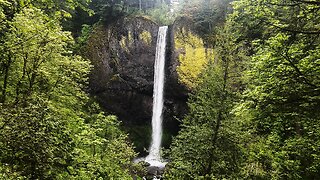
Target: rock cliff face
123 57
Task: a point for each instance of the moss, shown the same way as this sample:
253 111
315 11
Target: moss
192 57
146 37
130 37
126 41
123 43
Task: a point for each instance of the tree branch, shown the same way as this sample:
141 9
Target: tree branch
317 3
297 70
292 30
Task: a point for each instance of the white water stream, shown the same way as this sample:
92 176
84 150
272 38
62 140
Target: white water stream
154 157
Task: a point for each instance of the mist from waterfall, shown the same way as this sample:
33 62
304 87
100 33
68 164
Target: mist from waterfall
154 157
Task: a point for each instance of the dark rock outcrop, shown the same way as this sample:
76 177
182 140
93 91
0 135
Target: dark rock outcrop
154 171
122 78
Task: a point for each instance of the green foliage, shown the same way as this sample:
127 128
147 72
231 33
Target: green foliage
49 128
283 81
33 143
140 135
84 36
208 146
280 107
57 9
207 15
37 55
193 57
101 151
161 14
2 15
109 11
251 117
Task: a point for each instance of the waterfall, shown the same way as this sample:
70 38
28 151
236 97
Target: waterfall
154 157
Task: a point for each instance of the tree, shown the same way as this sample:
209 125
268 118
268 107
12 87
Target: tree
50 7
112 10
161 14
34 142
207 15
49 128
280 104
194 59
207 147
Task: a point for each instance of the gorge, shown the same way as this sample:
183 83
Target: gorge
123 56
159 89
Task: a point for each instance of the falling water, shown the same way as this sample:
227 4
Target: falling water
154 157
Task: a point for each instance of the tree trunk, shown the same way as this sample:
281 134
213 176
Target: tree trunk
5 80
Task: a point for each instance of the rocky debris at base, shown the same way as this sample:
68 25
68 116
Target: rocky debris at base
154 172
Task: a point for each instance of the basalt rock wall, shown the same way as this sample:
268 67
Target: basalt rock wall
123 55
122 78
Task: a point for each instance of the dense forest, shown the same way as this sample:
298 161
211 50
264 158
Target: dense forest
253 91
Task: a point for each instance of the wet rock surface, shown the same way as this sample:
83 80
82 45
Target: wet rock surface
154 171
123 55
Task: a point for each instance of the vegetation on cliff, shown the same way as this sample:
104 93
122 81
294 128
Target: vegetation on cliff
193 56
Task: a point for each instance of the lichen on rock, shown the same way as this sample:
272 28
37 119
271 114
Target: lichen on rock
146 37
